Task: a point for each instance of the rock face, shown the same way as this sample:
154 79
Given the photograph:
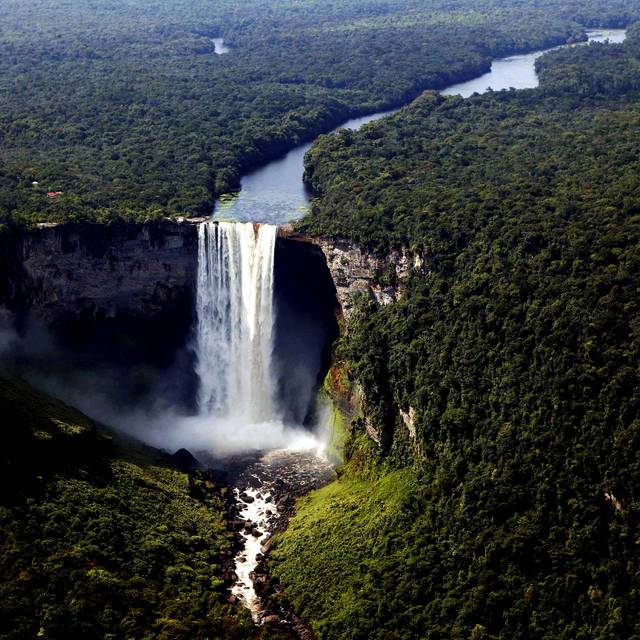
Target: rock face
409 420
57 272
105 306
356 272
306 326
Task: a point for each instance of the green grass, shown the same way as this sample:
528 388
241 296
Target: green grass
329 557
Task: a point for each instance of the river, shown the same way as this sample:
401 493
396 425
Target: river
276 194
519 71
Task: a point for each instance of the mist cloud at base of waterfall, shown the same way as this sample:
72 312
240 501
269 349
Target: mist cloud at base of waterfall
95 391
223 436
170 431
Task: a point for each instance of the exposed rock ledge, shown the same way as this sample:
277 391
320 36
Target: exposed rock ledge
55 272
356 272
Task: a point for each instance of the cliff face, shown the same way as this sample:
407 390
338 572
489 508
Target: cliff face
111 306
55 273
355 272
123 296
58 272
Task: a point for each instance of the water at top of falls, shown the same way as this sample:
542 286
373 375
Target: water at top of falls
234 331
275 193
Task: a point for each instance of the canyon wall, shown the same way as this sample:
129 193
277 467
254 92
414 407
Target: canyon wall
101 310
121 298
356 272
124 294
58 272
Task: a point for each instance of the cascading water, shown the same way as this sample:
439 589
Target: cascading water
234 348
234 333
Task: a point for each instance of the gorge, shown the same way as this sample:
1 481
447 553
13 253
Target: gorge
237 319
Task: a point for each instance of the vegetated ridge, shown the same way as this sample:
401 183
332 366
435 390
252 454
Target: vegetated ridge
103 537
503 502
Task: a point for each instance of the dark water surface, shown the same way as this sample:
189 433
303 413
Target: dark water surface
275 193
519 72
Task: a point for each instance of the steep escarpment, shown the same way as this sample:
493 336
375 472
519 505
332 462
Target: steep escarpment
502 500
58 272
112 297
307 309
356 272
110 310
358 278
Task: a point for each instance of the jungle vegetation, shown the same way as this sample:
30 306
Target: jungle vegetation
123 110
513 512
103 537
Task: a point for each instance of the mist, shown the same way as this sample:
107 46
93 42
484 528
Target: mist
146 402
166 428
236 377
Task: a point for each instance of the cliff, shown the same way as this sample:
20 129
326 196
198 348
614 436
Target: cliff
57 272
103 306
383 280
356 272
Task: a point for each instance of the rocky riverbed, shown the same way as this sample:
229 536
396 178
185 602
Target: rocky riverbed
263 490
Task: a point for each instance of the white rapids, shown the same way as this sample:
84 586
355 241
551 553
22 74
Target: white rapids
265 491
260 512
234 338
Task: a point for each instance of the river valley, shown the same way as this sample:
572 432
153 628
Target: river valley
319 320
276 195
240 333
265 487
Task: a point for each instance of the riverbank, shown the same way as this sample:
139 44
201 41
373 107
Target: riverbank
261 495
504 379
276 193
188 123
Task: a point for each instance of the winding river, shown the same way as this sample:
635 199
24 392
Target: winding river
519 72
275 193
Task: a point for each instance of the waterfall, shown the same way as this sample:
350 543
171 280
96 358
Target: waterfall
234 331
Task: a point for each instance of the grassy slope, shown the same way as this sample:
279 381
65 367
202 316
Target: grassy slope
102 538
340 542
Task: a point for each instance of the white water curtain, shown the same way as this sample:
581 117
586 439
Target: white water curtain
234 333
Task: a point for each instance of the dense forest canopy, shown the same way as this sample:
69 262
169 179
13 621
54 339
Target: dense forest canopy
125 109
102 537
514 510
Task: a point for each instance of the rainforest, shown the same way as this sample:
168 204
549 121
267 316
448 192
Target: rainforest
301 340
